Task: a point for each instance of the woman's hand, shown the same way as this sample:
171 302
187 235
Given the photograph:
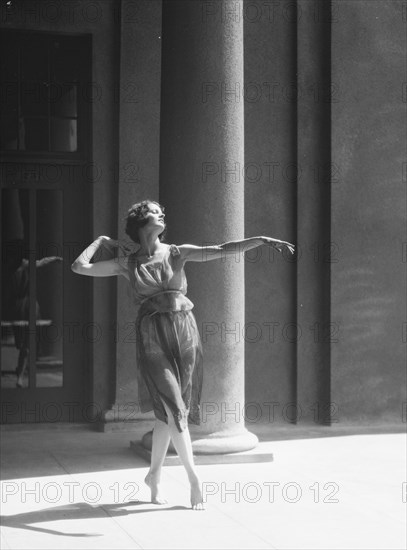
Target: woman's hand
279 245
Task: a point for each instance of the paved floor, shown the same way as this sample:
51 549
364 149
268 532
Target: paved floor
339 488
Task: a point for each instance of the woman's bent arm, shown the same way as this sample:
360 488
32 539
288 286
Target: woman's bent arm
108 268
192 253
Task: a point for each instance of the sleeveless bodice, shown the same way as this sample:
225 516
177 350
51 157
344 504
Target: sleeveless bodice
162 274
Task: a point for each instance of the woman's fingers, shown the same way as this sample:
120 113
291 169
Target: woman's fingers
290 247
280 246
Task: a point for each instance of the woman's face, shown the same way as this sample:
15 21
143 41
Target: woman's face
155 216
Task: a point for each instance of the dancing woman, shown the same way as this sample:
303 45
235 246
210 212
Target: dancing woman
169 351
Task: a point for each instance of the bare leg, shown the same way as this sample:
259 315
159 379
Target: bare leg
161 440
183 446
21 366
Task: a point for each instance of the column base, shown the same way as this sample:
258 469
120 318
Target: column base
222 443
118 418
172 459
214 443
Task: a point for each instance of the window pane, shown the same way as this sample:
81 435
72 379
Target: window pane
49 325
63 99
35 134
63 135
64 62
34 58
39 92
8 59
9 95
14 289
9 115
34 99
8 131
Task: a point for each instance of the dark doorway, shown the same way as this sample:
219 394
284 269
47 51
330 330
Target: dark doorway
45 200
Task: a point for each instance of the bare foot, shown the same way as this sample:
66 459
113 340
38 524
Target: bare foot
156 497
196 495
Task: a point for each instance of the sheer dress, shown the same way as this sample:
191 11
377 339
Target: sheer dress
169 349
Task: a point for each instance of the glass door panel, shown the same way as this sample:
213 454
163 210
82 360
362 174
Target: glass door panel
15 289
49 288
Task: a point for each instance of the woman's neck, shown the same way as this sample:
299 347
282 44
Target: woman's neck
149 245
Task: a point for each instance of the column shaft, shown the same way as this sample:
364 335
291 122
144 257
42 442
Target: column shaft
202 187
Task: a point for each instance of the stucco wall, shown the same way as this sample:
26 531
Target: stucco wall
270 157
368 292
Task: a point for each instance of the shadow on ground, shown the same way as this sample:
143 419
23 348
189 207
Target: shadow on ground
79 511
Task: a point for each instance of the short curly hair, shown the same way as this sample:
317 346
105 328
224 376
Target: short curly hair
137 218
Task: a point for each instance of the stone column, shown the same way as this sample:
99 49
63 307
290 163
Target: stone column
202 188
137 140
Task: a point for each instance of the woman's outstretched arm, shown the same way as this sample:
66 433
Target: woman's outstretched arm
48 260
107 268
192 253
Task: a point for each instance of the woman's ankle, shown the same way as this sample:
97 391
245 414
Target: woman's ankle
154 474
194 478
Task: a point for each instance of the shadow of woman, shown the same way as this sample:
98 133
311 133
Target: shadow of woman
78 511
